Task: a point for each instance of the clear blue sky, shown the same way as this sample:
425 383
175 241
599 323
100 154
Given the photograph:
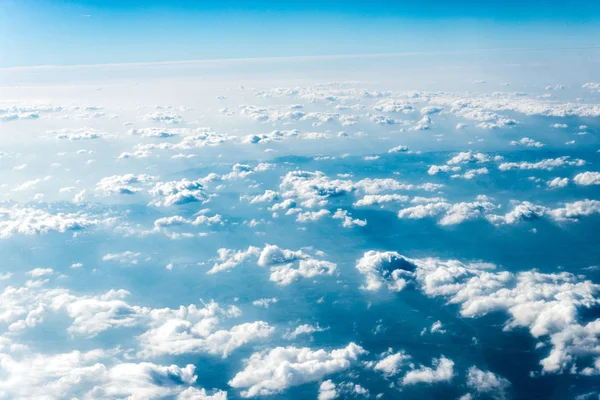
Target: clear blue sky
115 31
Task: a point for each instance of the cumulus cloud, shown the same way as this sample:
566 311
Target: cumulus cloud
286 266
347 220
376 199
175 193
327 390
273 371
312 216
390 363
123 184
546 304
227 258
557 183
78 134
452 214
126 257
587 178
304 329
31 221
547 164
166 117
527 142
575 210
384 269
486 382
191 329
443 372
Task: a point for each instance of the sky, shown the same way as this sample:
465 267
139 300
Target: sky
103 32
299 200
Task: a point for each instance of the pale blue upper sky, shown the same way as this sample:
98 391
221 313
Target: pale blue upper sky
90 32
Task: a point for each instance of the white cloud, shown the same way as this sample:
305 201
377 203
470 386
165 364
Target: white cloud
31 221
575 210
486 382
443 372
470 174
452 214
166 117
592 86
123 184
587 178
557 183
190 330
286 266
227 259
390 364
372 199
327 390
527 142
469 157
155 133
437 327
273 371
546 304
547 164
126 257
383 269
304 329
347 220
524 211
398 149
312 216
175 193
30 184
78 134
265 303
39 272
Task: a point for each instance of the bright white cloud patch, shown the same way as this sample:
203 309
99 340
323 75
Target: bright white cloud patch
275 370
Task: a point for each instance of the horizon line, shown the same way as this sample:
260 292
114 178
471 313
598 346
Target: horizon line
284 58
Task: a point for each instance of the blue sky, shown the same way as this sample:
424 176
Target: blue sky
92 32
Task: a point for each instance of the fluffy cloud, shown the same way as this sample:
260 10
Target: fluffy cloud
469 157
273 371
126 257
31 221
123 184
304 329
191 329
175 193
314 189
526 142
452 214
443 372
166 117
587 178
390 363
347 220
384 269
373 199
327 390
286 266
557 183
227 259
312 216
486 382
524 211
574 211
546 304
547 164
